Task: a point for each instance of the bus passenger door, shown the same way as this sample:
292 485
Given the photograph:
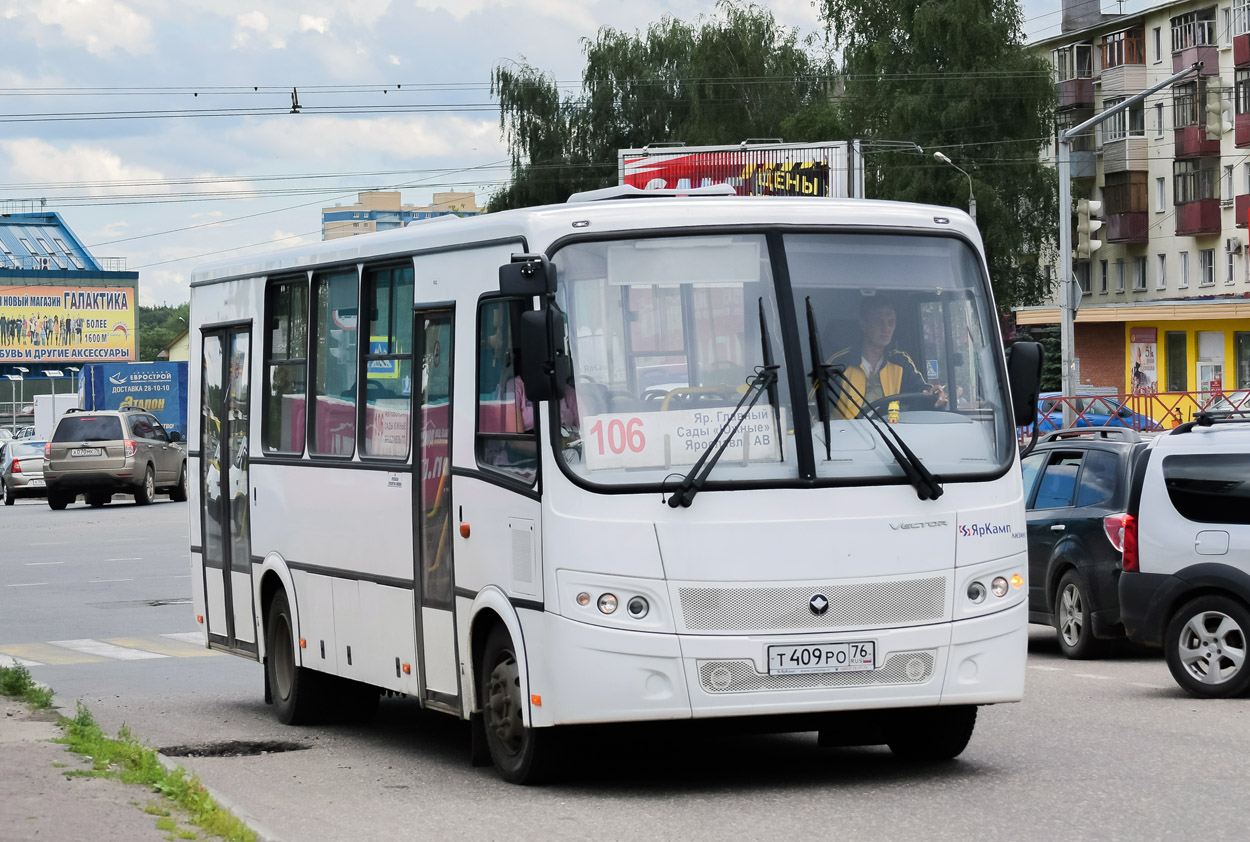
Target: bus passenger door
224 490
433 513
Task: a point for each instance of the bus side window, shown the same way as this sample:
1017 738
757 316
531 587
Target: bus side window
507 439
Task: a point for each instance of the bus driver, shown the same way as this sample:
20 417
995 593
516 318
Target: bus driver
875 368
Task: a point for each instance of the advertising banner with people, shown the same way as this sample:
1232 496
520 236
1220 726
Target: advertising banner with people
67 324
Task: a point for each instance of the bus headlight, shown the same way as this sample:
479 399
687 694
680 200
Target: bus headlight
637 607
607 603
976 593
999 586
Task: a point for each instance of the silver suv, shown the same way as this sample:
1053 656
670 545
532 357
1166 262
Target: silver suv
99 454
1185 583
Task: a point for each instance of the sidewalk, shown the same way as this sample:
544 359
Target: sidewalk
37 801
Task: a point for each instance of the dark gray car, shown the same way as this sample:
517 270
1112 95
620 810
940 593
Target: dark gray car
98 454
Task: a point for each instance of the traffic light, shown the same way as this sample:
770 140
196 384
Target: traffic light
1214 106
1086 226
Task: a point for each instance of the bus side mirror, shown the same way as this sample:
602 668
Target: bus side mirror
528 275
1024 377
545 367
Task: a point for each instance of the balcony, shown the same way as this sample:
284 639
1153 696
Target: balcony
1197 218
1191 142
1241 209
1075 93
1123 80
1241 50
1126 154
1208 54
1131 227
1242 127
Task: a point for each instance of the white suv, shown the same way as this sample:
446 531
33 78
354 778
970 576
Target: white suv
1185 584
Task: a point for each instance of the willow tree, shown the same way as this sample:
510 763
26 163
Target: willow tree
954 76
735 75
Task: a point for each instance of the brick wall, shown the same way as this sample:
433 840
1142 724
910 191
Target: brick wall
1100 348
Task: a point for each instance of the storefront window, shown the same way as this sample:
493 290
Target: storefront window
1241 348
1178 367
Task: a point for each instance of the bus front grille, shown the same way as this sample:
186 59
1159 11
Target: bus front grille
741 676
850 605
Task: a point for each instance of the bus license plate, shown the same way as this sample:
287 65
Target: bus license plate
822 657
85 451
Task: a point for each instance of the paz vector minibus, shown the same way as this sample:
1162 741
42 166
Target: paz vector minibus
631 458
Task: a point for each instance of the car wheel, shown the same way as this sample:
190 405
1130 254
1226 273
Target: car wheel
147 491
294 688
1073 621
1205 647
179 492
932 734
9 497
57 500
522 755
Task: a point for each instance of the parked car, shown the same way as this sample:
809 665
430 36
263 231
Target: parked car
21 470
97 454
1076 489
1232 402
1186 580
1090 411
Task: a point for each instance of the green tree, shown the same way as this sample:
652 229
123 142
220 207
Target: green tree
159 326
725 78
952 76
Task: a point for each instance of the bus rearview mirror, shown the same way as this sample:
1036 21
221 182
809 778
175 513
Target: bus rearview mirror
545 367
1024 376
527 275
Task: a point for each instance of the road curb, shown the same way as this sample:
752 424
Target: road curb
263 834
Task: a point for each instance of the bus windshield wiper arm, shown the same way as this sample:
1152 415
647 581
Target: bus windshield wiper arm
926 484
765 380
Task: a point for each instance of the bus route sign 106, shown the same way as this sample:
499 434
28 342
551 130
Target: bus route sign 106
676 437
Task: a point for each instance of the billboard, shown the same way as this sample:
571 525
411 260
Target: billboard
67 324
158 388
829 169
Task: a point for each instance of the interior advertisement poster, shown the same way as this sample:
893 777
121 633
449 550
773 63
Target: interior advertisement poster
67 324
1143 366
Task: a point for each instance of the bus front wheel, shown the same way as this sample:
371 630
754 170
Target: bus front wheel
291 685
932 734
523 755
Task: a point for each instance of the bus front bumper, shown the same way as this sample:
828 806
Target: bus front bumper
591 674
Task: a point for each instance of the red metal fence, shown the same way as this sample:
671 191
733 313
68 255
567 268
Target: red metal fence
1145 412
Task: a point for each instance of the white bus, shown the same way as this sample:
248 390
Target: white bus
611 461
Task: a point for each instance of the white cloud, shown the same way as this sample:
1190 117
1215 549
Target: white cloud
402 138
256 22
394 60
36 161
576 14
159 287
308 23
101 26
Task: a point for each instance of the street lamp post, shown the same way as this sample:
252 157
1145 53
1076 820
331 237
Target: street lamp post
21 379
13 379
74 369
972 200
54 374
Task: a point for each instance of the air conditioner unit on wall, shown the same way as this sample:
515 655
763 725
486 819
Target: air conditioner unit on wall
1232 245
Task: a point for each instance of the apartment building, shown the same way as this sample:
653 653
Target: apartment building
382 210
1165 301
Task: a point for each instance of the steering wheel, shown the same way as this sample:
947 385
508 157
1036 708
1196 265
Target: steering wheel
906 400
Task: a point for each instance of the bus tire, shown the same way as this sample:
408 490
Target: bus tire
522 755
930 735
294 688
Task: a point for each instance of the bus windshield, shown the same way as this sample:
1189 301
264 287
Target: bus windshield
666 333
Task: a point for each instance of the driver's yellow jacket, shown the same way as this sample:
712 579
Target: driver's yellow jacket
898 374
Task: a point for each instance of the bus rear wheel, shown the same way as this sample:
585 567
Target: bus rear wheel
523 755
292 687
930 735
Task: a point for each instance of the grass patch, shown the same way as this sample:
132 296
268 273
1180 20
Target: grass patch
125 759
16 681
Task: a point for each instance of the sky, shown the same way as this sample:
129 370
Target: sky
161 130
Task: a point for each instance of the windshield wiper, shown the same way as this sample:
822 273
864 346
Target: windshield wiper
926 484
765 380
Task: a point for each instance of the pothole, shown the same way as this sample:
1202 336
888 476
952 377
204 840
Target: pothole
232 748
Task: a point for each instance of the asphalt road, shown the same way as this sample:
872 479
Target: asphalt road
1103 750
